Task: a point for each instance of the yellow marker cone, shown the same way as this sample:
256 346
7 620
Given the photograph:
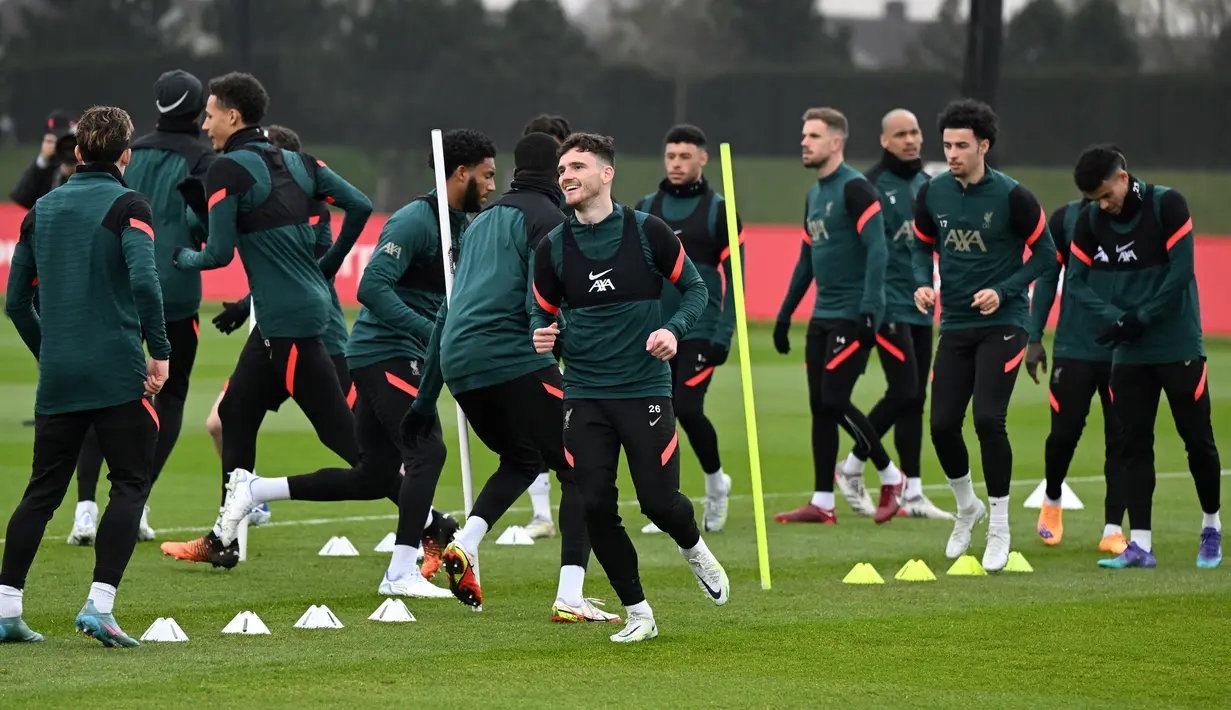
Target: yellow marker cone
863 573
1017 563
967 566
916 571
906 569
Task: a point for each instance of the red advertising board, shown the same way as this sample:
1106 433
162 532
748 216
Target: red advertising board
770 255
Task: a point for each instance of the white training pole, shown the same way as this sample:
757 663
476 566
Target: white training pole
251 316
243 524
446 245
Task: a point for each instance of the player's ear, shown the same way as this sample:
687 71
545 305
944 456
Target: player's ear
77 152
705 157
608 173
126 156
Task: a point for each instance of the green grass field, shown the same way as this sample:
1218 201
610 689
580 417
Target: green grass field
1068 635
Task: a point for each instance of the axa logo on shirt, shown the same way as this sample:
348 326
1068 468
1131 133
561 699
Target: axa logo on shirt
816 229
905 232
1124 252
599 283
961 240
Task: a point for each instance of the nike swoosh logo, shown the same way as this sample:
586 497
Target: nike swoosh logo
1126 246
677 232
600 274
717 594
655 421
1008 338
172 107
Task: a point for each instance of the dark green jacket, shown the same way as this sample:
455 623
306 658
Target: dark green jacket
981 232
705 239
843 250
278 245
1079 324
403 285
897 183
1147 250
611 298
89 248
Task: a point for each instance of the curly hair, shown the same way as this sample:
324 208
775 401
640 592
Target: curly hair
283 137
603 147
103 134
972 114
464 147
243 93
685 133
1097 164
555 126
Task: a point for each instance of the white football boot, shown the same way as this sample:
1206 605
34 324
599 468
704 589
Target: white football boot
963 525
714 517
412 585
145 533
855 492
85 524
638 628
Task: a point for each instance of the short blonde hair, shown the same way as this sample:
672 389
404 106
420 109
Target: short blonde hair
104 133
831 117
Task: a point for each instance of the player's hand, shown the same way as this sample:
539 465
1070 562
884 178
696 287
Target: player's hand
156 373
925 298
661 344
175 256
48 151
717 355
545 338
1036 358
987 301
782 336
1125 330
415 425
865 330
232 316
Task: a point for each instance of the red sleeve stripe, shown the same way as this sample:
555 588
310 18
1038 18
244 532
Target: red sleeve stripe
330 200
34 282
1081 255
543 302
216 198
321 163
922 237
679 265
138 224
867 215
1038 228
1060 257
1179 234
314 220
726 251
807 238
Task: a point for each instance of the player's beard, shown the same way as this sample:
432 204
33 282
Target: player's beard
471 202
817 163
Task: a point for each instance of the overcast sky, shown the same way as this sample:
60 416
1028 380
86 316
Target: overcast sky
916 9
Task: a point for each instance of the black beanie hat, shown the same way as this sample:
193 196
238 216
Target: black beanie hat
178 93
537 152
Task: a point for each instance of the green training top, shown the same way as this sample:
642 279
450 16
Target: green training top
1078 326
897 183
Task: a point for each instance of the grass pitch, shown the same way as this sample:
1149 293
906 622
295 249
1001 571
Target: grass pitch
1068 635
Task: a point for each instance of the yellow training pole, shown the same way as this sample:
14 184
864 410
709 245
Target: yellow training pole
745 363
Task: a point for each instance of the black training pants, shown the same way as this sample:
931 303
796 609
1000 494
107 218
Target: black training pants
835 360
127 433
691 374
1135 391
521 422
905 353
384 393
269 371
169 403
1073 385
594 432
979 364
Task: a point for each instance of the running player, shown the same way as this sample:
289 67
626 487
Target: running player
1140 238
1082 368
698 216
904 342
605 267
980 221
89 248
844 251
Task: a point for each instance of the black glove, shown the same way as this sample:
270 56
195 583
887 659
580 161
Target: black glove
1125 330
716 355
233 316
865 330
782 336
1036 356
175 256
193 192
414 425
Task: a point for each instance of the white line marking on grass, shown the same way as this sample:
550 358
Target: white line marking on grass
634 502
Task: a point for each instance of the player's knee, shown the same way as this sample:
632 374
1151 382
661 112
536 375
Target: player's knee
944 426
989 424
659 511
834 404
213 424
690 418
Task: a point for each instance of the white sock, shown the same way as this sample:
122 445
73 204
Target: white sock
403 562
472 534
715 484
914 487
641 609
572 579
1210 520
696 551
103 596
267 489
1142 538
540 496
852 465
84 507
824 501
1000 511
431 515
964 491
890 476
1053 503
1109 530
10 602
